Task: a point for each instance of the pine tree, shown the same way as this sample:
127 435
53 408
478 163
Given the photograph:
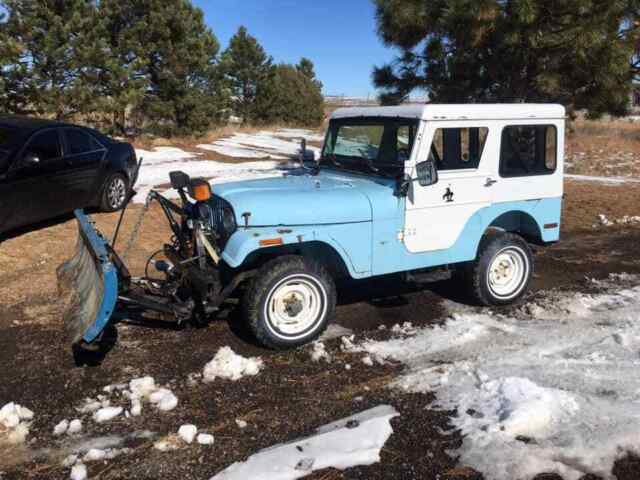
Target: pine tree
575 52
246 66
161 64
292 96
45 50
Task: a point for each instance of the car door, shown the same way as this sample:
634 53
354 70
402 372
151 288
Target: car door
33 179
437 214
83 155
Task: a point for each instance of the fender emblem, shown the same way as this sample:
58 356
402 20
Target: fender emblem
448 195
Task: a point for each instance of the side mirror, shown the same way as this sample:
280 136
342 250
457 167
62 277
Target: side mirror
427 173
179 180
30 159
307 158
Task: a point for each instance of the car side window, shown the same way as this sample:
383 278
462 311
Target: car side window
458 148
80 142
44 145
528 150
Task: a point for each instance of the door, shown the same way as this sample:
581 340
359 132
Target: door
34 189
436 215
83 156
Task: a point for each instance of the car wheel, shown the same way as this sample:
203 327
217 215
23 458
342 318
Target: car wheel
114 193
289 302
502 271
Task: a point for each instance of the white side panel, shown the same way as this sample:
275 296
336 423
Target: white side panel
436 215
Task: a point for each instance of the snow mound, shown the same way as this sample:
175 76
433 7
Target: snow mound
349 442
205 439
78 472
319 352
532 388
107 413
227 364
145 388
14 423
187 433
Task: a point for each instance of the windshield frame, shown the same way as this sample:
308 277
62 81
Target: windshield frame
366 166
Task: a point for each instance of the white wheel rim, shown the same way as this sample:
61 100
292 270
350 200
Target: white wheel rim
116 193
295 306
508 272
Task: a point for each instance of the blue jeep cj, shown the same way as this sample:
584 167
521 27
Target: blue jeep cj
426 190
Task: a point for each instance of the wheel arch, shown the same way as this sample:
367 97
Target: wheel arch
317 250
519 222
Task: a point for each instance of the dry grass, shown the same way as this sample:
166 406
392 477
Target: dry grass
611 136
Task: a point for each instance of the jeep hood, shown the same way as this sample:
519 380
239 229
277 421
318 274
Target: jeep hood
303 199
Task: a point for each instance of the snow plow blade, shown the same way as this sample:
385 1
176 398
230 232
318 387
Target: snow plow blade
88 283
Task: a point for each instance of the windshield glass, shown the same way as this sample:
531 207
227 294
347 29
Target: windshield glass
369 145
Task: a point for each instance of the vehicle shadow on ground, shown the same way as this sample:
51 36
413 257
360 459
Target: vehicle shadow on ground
34 227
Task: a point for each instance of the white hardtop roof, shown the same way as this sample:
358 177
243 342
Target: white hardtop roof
468 111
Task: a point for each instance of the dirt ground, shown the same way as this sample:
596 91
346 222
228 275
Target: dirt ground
292 395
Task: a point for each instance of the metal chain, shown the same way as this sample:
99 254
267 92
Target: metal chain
136 228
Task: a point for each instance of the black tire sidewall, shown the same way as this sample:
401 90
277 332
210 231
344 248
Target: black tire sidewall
104 201
274 274
490 247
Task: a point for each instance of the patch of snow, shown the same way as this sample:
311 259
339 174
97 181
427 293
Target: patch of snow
554 387
604 221
406 329
61 428
241 423
349 442
90 406
263 144
69 461
14 423
167 444
106 413
157 165
227 364
334 331
319 352
367 360
164 399
299 133
78 472
609 180
187 433
94 455
142 387
75 426
205 439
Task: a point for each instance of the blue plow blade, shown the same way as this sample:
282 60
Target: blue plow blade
89 283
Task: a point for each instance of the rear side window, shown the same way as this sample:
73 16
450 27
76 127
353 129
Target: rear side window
45 145
80 142
528 150
458 148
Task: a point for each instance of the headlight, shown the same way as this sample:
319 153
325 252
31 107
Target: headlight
228 220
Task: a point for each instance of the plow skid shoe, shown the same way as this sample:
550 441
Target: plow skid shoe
88 283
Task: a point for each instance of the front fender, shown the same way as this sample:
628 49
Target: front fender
352 242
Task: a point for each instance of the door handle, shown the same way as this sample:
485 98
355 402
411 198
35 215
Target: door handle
489 181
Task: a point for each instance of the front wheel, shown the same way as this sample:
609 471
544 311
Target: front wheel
502 271
114 193
289 302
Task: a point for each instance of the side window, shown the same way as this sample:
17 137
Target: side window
44 145
528 150
80 142
458 148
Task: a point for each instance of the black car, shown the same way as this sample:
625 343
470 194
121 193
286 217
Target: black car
50 168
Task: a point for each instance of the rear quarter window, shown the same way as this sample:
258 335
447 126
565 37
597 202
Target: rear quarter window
79 142
528 150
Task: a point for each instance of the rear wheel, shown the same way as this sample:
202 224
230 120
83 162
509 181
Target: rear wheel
114 193
289 302
502 271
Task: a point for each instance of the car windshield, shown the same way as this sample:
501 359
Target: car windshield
378 146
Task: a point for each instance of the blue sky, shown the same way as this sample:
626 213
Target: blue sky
337 35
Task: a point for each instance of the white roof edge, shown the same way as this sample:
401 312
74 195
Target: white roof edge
483 111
